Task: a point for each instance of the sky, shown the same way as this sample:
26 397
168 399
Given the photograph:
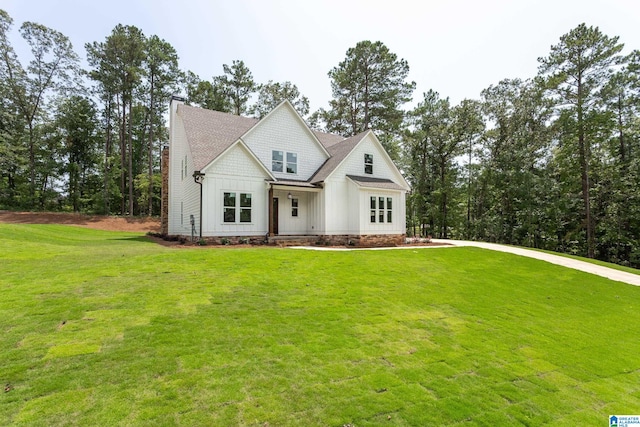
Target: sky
457 48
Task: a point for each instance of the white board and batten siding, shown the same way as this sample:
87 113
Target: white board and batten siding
184 197
284 130
347 204
236 171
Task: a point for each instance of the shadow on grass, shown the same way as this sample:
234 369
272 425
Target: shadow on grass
141 239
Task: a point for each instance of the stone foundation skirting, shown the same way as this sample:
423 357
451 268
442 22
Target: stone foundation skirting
365 241
368 240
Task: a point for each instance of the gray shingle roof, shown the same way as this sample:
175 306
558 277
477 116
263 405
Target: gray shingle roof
210 133
338 152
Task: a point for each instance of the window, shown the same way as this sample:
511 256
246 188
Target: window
294 207
373 209
292 163
368 164
245 207
229 207
185 166
233 205
381 209
277 157
282 161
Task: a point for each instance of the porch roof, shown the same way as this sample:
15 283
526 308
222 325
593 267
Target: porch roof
293 183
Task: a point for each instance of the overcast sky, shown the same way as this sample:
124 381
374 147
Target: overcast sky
455 47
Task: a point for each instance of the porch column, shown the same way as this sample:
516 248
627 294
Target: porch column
271 210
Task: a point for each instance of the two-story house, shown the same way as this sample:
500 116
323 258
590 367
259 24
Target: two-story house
241 178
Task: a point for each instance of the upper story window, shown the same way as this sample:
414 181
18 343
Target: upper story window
277 158
282 161
368 164
292 163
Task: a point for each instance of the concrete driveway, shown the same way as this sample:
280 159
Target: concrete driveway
609 273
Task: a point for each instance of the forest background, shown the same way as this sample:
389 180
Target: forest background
549 161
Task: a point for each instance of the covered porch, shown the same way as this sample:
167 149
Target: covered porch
294 209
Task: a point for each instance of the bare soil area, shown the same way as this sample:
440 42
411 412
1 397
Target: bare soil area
99 222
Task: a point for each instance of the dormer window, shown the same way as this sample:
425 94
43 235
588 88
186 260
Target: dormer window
278 163
368 164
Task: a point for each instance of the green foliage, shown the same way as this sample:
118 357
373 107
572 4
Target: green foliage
369 88
271 94
237 83
138 333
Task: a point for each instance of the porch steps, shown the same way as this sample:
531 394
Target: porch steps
293 240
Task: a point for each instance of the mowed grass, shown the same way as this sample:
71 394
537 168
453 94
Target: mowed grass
101 328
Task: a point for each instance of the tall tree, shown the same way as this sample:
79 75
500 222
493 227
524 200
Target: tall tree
239 85
434 147
369 88
51 73
162 74
117 66
77 122
468 126
272 94
513 161
206 94
577 68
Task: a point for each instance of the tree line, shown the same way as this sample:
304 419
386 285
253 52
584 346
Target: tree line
551 161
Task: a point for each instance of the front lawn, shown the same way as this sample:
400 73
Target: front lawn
102 328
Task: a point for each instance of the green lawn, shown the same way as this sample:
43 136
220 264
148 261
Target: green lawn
101 328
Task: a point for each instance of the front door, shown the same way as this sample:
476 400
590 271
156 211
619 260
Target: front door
275 216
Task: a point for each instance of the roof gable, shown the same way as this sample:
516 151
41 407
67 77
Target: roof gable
342 151
286 105
210 133
237 154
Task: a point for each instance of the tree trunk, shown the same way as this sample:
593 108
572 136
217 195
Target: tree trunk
583 151
130 165
123 157
107 156
150 194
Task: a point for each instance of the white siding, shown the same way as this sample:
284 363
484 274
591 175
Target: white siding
397 226
347 204
235 171
337 206
184 196
382 167
283 130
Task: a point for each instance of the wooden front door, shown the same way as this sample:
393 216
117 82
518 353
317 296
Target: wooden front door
275 216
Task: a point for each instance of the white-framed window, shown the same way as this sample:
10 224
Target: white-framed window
277 159
236 207
292 163
294 207
381 209
283 161
368 164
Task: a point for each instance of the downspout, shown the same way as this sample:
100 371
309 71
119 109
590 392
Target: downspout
198 177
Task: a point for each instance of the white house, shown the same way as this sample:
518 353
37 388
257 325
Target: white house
241 178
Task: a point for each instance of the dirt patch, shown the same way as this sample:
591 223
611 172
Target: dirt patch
99 222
